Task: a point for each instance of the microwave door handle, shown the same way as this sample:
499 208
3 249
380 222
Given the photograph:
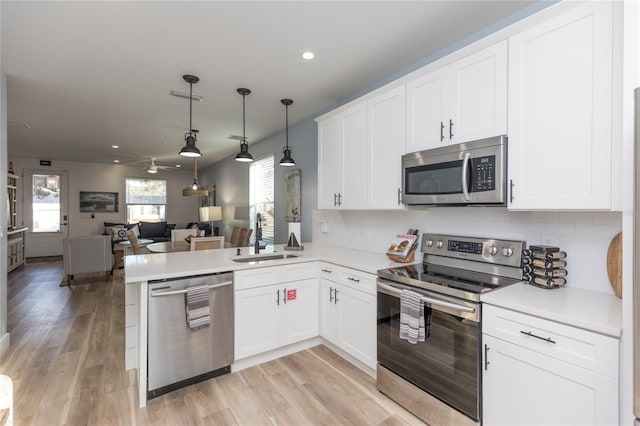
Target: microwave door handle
465 176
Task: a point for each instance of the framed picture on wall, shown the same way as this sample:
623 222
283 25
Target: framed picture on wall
98 202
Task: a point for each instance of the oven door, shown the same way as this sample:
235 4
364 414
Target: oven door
447 363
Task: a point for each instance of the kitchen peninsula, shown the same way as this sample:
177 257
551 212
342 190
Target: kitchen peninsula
307 274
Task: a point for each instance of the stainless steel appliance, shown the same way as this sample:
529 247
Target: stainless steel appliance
439 380
467 173
177 355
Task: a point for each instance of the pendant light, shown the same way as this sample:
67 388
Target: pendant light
195 190
287 161
244 155
190 149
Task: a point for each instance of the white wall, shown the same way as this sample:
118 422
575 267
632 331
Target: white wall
585 236
111 178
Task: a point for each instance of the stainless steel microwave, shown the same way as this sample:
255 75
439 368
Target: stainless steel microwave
462 174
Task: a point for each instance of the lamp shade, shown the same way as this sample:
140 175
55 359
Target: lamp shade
210 213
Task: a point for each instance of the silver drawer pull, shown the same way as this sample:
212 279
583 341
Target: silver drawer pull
353 279
546 339
328 271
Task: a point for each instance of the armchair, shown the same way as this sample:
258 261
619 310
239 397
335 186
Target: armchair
91 253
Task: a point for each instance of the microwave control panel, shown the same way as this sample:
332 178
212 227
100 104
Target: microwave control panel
484 173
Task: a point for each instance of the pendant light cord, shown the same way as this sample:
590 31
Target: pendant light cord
190 106
287 123
244 136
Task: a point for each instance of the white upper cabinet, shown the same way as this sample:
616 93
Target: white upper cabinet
359 153
560 112
386 139
464 101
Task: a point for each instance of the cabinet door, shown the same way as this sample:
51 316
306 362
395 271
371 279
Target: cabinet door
426 111
523 387
478 98
560 107
354 142
328 311
299 306
329 162
357 324
257 320
386 115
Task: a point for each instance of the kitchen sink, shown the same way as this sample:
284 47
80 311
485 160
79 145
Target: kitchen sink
261 258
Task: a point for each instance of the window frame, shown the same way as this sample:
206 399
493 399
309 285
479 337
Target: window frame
162 207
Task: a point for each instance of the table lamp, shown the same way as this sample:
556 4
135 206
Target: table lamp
209 214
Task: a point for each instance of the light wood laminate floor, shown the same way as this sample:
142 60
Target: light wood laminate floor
67 363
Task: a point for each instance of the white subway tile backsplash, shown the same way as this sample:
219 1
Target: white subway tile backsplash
584 236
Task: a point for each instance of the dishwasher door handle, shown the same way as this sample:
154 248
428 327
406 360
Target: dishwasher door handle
171 293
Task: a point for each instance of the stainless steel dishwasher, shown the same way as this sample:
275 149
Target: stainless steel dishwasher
177 355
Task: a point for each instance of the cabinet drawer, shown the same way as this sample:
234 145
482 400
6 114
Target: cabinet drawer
579 347
130 296
258 277
358 280
298 271
328 271
130 315
130 337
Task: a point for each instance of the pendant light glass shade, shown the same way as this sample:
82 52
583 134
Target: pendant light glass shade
244 155
190 149
287 161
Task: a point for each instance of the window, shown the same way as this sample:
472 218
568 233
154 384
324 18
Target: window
261 198
146 200
46 203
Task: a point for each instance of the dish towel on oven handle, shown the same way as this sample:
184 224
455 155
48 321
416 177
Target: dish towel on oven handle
412 317
197 307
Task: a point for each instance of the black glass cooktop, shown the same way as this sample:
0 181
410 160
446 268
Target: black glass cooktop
457 282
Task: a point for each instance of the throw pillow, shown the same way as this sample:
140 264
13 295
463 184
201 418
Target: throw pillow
152 229
109 225
136 231
118 233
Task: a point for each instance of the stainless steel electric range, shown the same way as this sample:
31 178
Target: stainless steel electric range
439 380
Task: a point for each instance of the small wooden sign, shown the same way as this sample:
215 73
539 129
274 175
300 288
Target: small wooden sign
291 294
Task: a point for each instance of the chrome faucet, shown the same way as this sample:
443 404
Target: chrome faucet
256 250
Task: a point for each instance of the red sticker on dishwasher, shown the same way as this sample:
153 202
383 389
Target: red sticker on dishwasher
291 294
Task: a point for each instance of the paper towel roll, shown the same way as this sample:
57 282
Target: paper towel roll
295 228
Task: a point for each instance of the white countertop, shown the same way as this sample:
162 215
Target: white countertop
590 310
155 266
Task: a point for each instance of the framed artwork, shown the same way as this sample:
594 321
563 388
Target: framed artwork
292 195
99 202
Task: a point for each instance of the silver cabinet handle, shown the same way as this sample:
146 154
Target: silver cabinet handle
511 190
546 339
170 293
328 271
278 297
339 199
450 129
486 361
335 199
429 300
441 131
465 176
284 296
335 296
399 196
353 279
331 289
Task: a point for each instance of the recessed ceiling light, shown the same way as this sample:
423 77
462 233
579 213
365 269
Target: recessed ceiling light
116 161
115 146
308 55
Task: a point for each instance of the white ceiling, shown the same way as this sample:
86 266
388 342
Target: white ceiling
87 75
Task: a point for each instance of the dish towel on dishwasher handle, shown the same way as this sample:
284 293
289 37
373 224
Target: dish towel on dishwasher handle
197 307
412 317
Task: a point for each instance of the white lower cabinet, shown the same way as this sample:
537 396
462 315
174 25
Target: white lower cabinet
268 316
348 311
538 372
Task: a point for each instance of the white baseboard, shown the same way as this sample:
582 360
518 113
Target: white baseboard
4 344
241 364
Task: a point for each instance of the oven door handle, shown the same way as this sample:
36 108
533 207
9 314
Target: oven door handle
432 301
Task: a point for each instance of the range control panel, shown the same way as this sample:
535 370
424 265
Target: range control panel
487 250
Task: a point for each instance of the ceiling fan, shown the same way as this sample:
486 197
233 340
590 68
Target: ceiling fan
153 168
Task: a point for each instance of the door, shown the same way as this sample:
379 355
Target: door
328 311
257 320
386 146
330 158
354 162
299 306
46 211
478 106
523 387
356 323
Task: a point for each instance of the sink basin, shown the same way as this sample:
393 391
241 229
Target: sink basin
263 257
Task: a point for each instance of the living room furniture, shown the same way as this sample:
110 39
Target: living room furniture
169 246
15 248
90 253
239 237
136 245
207 243
12 199
123 248
181 234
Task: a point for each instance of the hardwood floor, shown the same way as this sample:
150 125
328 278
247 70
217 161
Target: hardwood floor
67 363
